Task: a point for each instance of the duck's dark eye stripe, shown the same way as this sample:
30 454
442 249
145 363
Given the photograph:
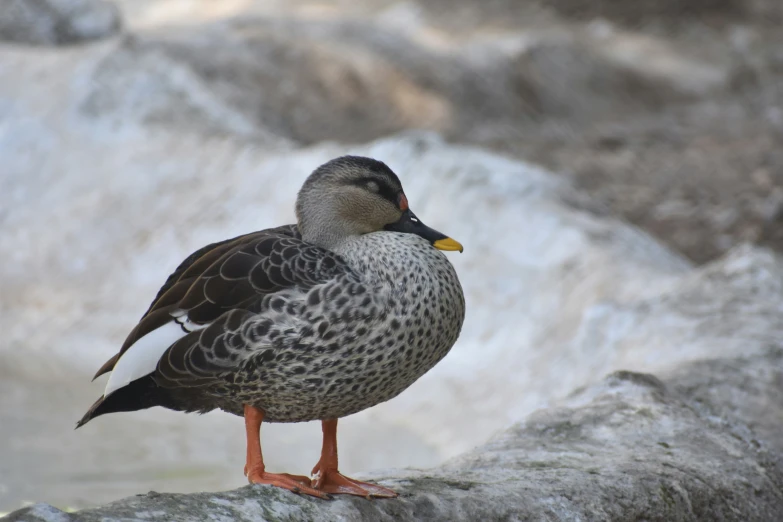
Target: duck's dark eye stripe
385 190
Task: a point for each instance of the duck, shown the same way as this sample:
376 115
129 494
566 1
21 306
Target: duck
312 321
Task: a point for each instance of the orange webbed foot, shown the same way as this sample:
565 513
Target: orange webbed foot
334 482
295 483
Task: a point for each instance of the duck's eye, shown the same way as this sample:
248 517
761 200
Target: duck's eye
372 186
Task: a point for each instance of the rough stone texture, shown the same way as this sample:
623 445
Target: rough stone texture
672 12
632 447
667 112
353 80
673 126
58 22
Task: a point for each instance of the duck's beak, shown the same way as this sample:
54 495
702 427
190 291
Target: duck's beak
410 224
448 244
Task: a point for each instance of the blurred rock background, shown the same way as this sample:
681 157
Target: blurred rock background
667 112
134 131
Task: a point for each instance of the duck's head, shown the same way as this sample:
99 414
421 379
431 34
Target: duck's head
351 196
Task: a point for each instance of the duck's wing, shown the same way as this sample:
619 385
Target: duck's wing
196 316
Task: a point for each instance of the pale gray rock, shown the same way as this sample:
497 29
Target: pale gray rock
631 447
723 309
671 12
667 111
349 80
58 22
656 119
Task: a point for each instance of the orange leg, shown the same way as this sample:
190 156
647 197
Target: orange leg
254 468
326 478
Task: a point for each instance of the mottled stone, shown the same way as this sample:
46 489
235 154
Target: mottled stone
58 22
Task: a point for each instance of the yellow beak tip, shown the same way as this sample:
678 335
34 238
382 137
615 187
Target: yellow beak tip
448 244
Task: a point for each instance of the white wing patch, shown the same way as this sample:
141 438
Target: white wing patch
142 357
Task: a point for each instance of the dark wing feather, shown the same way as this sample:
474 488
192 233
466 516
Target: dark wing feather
194 264
258 269
197 262
219 285
198 357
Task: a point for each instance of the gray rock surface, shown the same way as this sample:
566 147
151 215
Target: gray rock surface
668 112
631 447
58 22
350 80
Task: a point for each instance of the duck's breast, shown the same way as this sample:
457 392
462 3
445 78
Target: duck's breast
359 339
416 313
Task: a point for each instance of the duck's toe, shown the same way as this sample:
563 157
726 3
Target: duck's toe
334 482
294 483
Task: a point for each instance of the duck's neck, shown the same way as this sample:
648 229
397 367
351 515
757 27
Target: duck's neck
388 255
327 230
354 249
331 236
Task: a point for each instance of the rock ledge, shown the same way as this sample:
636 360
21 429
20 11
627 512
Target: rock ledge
632 447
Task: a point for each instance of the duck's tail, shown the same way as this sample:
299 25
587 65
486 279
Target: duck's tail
137 395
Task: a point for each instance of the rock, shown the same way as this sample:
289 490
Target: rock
307 82
354 81
606 104
631 447
610 101
664 111
723 309
631 13
669 12
58 22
